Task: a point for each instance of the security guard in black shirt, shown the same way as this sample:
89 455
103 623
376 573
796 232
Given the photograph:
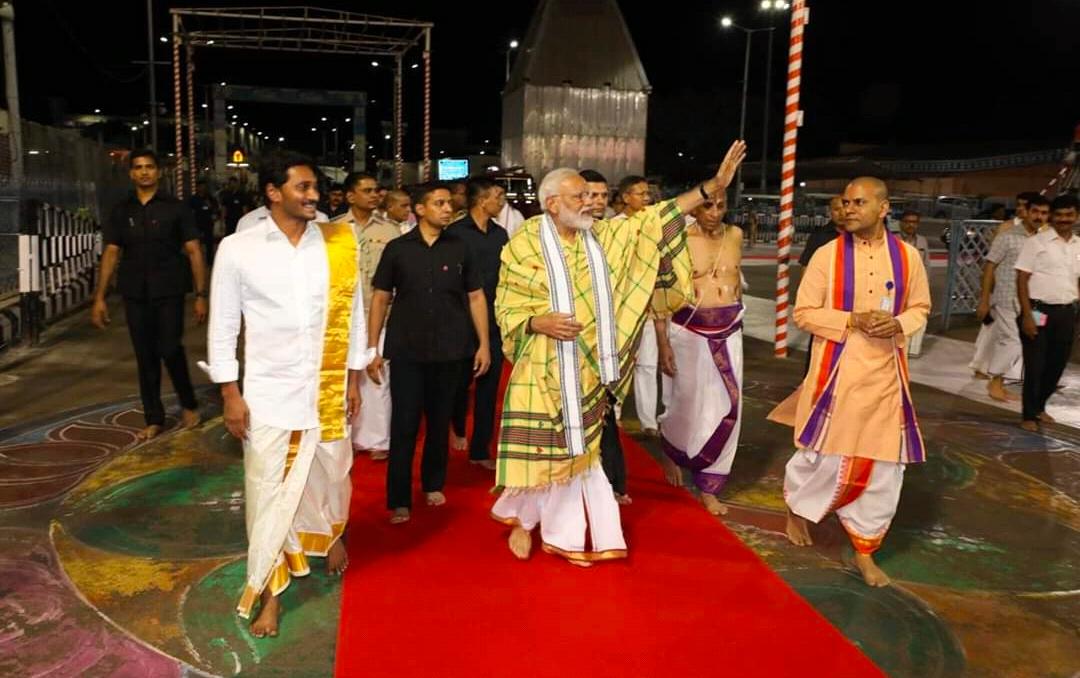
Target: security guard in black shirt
154 240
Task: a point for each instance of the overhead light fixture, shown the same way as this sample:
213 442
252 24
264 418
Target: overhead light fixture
163 39
513 44
726 22
375 64
415 66
230 107
209 42
205 105
97 110
281 138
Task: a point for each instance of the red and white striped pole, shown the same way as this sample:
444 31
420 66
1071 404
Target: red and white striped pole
800 15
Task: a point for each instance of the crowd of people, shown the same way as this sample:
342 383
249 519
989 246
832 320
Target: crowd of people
374 310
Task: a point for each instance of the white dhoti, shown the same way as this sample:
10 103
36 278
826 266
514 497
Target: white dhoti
703 402
980 362
1006 355
371 430
864 493
914 344
567 511
648 357
297 493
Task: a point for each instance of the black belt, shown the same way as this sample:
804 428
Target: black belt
1042 304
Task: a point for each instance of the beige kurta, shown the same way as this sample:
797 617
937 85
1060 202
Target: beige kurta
867 418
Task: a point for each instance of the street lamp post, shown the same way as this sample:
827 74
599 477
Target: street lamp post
513 46
726 22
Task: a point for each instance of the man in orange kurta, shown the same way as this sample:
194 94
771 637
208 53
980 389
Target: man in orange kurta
861 297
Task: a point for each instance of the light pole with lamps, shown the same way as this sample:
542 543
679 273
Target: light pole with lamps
768 6
512 47
726 22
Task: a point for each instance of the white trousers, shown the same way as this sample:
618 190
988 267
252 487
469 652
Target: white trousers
371 430
648 357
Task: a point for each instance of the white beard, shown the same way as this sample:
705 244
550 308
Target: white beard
580 221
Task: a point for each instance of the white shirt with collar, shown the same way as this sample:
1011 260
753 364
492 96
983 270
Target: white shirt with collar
280 293
262 212
1054 265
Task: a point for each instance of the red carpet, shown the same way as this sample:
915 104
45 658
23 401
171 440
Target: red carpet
442 595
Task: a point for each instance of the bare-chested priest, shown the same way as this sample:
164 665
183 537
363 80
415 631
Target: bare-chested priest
701 357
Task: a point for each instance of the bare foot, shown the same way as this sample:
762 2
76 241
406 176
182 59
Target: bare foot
672 472
150 432
996 390
458 443
401 515
337 560
798 532
266 624
489 464
379 455
1030 426
981 375
580 563
1046 418
623 499
435 498
190 418
713 505
520 543
869 570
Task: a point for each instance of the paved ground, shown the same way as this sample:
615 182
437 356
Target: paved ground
123 559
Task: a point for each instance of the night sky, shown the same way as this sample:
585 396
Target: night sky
923 79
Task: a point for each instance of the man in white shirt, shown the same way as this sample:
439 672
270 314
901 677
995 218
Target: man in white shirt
980 362
636 196
296 288
999 301
371 430
1048 284
261 214
909 233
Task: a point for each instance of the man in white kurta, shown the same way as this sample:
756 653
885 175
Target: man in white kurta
295 286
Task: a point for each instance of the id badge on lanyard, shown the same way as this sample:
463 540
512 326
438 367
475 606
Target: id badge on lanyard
887 299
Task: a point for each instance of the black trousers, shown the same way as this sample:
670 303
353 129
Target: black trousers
210 244
1046 356
485 395
611 452
419 388
156 327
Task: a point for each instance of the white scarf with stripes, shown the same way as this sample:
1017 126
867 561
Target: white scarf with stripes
561 288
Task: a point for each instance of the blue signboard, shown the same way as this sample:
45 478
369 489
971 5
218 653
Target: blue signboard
453 168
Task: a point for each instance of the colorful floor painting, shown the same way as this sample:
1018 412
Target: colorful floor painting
124 559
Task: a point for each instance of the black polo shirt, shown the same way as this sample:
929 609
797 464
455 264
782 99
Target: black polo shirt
153 263
816 241
487 248
235 204
205 210
429 320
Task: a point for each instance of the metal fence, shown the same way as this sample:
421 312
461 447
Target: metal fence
57 262
763 227
969 243
68 182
